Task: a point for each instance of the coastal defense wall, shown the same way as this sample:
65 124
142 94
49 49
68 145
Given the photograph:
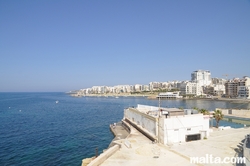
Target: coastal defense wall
177 128
236 112
147 122
104 156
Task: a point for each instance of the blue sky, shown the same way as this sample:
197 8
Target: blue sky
66 45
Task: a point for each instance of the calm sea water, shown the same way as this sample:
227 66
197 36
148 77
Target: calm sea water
34 130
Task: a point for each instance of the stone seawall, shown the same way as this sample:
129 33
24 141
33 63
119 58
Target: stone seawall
102 157
121 131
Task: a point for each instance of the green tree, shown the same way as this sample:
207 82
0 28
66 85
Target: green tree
218 116
195 108
204 111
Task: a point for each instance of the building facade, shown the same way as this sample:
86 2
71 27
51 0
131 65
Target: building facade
202 77
190 88
243 88
238 88
170 95
231 87
168 125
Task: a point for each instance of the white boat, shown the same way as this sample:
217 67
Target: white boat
57 101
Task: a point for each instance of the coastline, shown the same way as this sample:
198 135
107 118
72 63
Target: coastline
154 97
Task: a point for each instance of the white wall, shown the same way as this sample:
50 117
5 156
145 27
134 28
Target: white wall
171 129
236 112
145 121
149 108
176 128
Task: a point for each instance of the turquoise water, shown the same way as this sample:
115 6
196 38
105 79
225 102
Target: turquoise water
34 130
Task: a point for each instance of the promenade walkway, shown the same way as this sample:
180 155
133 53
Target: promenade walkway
138 150
119 131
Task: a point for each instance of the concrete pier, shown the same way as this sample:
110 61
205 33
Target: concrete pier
137 149
142 151
131 147
120 131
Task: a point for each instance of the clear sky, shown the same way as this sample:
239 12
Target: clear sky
63 45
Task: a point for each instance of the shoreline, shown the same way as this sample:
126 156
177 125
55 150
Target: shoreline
154 97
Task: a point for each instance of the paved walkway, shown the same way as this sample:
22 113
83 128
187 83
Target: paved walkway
119 131
139 150
142 151
225 143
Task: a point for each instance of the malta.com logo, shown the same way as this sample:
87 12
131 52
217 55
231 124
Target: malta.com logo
210 159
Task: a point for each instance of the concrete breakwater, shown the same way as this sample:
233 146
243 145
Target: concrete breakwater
131 146
121 130
137 149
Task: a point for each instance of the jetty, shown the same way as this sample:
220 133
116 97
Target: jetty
137 149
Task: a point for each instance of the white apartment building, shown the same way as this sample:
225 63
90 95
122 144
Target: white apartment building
127 88
219 89
123 88
202 77
118 89
168 125
173 84
244 88
155 85
145 87
190 88
138 87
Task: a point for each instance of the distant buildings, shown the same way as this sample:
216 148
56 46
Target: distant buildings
199 80
190 88
201 84
217 87
170 95
201 77
238 88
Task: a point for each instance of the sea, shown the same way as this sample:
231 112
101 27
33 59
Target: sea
57 129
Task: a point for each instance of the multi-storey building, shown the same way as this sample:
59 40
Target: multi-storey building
215 89
138 87
190 88
145 87
244 87
155 85
202 77
231 88
238 88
